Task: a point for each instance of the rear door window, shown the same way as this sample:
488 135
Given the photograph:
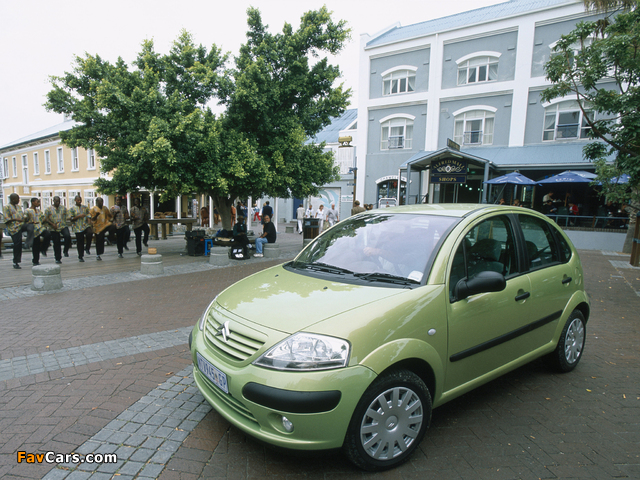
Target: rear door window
540 244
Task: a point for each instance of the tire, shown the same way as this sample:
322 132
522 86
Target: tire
389 421
571 344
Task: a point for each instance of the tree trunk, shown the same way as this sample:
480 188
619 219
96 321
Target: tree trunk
223 204
632 210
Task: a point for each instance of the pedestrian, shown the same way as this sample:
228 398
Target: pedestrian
55 218
120 216
309 213
357 208
15 220
320 215
204 217
40 234
267 210
256 213
140 217
101 219
81 226
300 217
332 215
233 215
268 235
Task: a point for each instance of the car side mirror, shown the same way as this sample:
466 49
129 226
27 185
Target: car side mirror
483 282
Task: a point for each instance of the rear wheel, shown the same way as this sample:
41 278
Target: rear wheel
571 344
389 421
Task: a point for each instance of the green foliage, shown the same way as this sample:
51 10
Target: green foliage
152 128
583 65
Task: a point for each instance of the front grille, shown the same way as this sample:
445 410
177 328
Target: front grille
231 402
241 343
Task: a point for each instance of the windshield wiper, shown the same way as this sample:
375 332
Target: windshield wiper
322 267
385 277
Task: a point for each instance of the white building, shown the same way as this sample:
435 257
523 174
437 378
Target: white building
474 78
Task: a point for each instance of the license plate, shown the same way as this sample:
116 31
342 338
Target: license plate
218 378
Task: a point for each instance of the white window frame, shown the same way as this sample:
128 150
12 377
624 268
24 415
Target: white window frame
91 159
561 131
47 199
90 198
476 65
474 125
36 164
402 79
25 169
47 162
60 157
5 165
396 132
75 162
14 164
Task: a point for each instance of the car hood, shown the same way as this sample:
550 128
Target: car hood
287 301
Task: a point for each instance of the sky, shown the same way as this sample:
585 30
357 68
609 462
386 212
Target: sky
40 39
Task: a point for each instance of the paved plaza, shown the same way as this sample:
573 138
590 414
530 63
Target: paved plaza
102 366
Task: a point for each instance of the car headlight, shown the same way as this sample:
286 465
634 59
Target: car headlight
204 314
306 351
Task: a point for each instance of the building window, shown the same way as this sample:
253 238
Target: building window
75 166
5 164
565 120
90 198
14 164
396 133
47 162
91 159
474 127
400 80
60 161
36 164
47 200
477 70
25 170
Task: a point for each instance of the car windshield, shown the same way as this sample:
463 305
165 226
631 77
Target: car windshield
377 246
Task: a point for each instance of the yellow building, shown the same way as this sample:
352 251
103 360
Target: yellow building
39 165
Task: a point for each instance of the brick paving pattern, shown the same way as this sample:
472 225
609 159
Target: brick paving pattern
141 402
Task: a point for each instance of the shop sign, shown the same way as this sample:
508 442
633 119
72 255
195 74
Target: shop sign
450 170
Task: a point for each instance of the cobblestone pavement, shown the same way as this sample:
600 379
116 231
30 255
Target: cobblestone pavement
105 368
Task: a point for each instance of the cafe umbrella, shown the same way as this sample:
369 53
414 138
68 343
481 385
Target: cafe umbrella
513 178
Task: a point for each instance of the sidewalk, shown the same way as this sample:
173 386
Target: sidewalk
174 258
101 368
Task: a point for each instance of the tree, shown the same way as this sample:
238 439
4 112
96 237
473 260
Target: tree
152 127
278 99
584 64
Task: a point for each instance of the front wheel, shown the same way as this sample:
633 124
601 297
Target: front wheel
389 421
571 344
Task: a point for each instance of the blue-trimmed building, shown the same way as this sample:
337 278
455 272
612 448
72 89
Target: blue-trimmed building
474 78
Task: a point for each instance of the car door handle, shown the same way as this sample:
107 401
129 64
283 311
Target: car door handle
522 296
566 280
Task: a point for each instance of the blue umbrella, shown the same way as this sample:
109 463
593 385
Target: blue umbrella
568 177
513 178
622 179
582 173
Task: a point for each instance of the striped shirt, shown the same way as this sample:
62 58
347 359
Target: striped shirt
13 212
80 224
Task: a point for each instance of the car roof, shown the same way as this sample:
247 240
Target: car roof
447 209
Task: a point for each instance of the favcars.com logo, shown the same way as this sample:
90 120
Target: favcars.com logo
53 457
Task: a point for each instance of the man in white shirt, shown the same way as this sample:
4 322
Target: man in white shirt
332 215
300 217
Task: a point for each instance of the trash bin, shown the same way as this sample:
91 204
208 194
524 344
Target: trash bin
310 228
195 242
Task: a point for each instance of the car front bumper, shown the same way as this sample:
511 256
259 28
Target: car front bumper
319 404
